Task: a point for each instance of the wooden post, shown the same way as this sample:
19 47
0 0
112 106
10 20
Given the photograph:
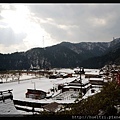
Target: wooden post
33 110
3 97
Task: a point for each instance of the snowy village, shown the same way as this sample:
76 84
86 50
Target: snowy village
35 91
60 60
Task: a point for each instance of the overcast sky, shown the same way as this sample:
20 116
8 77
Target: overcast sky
25 26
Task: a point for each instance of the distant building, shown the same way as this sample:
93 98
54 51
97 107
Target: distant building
79 70
91 75
60 75
35 94
34 68
96 81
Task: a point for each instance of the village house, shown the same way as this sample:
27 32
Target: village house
90 75
77 85
60 75
83 89
96 81
35 94
93 74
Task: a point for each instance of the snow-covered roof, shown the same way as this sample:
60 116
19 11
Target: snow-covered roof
92 72
85 81
44 90
65 70
96 79
77 86
97 86
89 93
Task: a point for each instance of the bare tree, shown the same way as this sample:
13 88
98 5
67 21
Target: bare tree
13 77
1 77
18 77
6 76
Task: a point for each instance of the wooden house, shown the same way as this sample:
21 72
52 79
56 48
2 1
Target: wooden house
35 94
93 74
83 89
77 86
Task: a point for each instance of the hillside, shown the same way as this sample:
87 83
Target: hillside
55 56
88 49
64 55
112 56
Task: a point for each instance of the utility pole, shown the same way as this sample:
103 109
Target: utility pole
34 84
80 80
43 54
43 43
81 72
80 75
113 38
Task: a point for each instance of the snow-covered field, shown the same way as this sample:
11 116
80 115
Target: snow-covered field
19 89
45 84
11 78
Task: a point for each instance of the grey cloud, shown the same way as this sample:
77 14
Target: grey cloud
55 32
8 37
80 15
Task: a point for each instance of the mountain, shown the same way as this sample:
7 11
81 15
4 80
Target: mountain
12 61
111 56
90 48
55 56
64 55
